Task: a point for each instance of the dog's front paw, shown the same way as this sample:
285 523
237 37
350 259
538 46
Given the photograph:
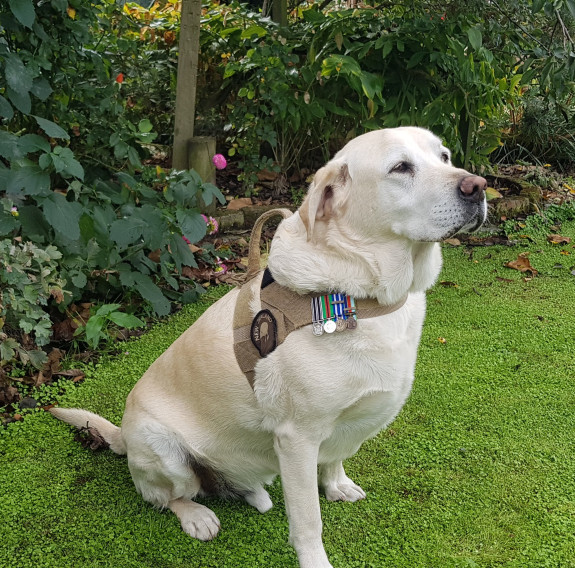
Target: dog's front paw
199 521
348 491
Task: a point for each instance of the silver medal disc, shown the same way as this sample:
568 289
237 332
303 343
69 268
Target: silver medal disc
340 324
317 328
329 326
351 323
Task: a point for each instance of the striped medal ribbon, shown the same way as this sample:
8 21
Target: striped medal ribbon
333 312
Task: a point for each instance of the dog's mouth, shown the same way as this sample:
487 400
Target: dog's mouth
476 219
470 222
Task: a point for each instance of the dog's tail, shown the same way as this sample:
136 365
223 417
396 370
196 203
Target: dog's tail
83 419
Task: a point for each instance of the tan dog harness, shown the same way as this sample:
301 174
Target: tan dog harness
283 311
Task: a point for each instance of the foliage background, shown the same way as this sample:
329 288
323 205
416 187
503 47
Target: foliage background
90 217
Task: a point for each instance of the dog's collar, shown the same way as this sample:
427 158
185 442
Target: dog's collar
284 311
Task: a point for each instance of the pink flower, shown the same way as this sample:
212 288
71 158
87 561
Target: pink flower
212 225
219 161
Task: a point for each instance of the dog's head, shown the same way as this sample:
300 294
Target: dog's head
402 183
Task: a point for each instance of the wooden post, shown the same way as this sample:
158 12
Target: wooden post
280 12
189 47
201 150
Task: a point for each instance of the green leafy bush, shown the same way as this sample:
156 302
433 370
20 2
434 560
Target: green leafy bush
28 280
77 224
291 96
96 328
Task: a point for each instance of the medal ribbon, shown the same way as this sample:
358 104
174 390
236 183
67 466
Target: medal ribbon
332 307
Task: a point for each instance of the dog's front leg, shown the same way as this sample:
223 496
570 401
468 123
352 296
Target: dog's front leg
297 455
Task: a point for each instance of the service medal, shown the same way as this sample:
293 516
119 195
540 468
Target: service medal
317 328
340 324
329 326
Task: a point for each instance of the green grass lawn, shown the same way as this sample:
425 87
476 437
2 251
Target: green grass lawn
477 471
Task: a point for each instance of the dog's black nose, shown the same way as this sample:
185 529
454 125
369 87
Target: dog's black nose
472 188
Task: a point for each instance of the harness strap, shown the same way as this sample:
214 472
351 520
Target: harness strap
290 312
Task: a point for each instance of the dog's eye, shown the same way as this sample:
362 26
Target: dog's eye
402 168
445 157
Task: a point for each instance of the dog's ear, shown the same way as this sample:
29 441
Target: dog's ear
326 195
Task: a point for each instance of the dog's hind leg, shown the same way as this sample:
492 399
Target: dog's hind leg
260 499
337 485
164 474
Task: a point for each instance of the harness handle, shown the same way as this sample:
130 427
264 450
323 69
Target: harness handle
254 254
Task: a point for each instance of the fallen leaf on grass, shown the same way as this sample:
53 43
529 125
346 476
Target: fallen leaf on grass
558 239
504 279
90 438
522 264
452 242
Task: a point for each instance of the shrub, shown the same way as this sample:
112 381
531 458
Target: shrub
28 280
74 213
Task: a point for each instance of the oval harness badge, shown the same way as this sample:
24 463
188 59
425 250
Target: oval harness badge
264 332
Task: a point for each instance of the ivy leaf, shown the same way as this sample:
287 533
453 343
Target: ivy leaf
63 215
24 12
51 128
8 349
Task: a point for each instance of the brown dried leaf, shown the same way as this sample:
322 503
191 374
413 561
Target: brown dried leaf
453 242
558 239
91 438
522 264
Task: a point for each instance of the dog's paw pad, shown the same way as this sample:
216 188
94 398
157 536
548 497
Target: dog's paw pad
344 492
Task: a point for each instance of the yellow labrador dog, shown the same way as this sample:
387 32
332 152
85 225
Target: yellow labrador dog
193 425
